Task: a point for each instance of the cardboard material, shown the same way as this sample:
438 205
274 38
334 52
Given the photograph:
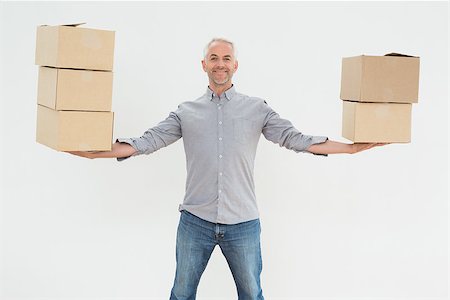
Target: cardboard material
70 46
389 78
74 130
376 122
69 89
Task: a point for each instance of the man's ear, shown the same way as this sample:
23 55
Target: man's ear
236 65
204 65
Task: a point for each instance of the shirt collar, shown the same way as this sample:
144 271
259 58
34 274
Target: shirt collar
228 93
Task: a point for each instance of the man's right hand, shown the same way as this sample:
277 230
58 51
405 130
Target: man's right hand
118 150
87 154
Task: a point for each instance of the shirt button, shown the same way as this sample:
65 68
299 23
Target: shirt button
220 191
220 122
220 139
220 156
219 107
220 173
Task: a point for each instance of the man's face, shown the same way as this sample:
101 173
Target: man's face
220 63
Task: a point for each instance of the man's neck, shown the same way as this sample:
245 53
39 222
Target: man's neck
219 89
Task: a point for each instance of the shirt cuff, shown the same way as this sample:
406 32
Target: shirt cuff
129 142
317 140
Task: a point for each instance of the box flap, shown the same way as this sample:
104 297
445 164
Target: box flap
71 25
399 54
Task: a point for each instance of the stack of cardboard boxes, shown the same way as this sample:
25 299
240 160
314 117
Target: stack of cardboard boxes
377 94
74 88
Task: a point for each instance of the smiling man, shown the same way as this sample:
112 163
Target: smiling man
220 132
220 64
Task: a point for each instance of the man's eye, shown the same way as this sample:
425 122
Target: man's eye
227 58
213 58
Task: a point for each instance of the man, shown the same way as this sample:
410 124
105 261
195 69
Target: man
220 131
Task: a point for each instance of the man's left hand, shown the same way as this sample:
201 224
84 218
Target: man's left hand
358 147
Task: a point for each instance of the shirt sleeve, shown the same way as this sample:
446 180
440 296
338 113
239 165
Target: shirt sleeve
162 135
281 131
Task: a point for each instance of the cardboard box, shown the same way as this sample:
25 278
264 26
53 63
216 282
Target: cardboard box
69 89
70 46
388 78
74 130
376 122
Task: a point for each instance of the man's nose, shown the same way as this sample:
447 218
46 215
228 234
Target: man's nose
220 63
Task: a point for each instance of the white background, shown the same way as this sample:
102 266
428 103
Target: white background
371 225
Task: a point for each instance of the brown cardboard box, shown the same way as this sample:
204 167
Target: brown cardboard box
380 78
69 89
70 46
376 122
74 130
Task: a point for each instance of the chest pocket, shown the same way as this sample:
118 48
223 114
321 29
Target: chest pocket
244 130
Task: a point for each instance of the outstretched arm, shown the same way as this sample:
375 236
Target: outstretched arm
332 147
165 133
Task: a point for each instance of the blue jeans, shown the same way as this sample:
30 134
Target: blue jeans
240 244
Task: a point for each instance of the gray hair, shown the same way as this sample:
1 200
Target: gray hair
205 51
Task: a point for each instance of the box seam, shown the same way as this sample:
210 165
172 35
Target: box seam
56 91
58 41
354 121
361 78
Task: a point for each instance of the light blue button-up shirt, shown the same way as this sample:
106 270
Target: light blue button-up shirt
220 136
